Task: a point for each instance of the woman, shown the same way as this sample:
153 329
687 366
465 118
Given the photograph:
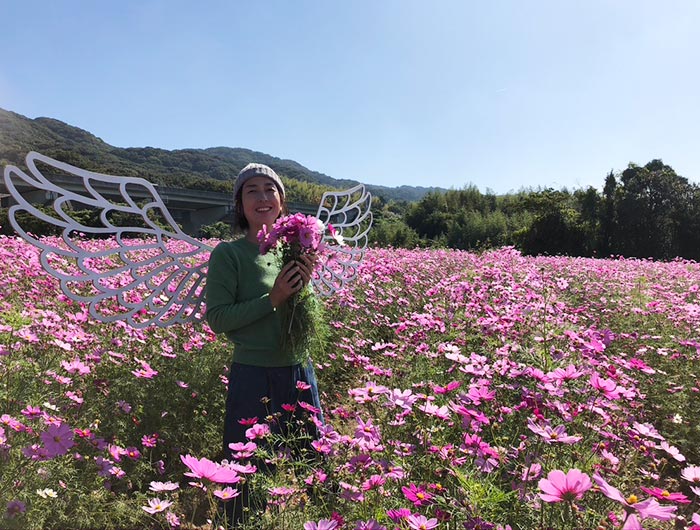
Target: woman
246 298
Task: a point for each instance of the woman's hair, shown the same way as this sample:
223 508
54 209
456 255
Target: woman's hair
239 221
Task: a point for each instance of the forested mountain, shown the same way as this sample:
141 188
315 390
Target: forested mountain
643 211
213 168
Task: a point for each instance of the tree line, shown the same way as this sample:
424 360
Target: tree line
644 211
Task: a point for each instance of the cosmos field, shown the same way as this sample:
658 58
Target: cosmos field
460 391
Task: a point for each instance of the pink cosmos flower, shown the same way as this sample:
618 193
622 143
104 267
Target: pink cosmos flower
206 469
373 482
322 446
149 440
607 387
442 413
227 493
116 452
301 386
696 522
31 412
649 508
57 439
420 522
556 435
646 429
306 237
370 392
367 430
418 495
691 474
558 487
673 451
665 495
565 374
452 385
309 407
132 453
145 372
402 398
163 486
75 366
477 394
242 450
398 515
323 524
350 493
259 430
156 505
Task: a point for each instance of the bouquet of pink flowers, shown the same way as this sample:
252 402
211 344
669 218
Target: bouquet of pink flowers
295 235
290 237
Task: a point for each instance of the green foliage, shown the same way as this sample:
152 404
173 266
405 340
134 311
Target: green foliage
218 230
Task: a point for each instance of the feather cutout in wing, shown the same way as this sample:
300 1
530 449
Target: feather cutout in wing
349 213
148 272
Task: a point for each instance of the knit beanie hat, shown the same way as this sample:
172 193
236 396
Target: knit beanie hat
257 170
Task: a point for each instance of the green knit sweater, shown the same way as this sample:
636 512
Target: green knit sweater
238 304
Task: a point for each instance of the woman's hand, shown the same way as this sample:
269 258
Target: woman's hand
292 279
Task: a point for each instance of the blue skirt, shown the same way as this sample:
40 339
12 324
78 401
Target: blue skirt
259 392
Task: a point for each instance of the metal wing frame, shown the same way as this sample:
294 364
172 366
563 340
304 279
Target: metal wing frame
155 272
350 214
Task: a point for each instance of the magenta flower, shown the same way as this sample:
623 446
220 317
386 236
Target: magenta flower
558 487
149 440
132 453
398 515
301 386
206 469
323 524
57 439
648 509
666 495
418 495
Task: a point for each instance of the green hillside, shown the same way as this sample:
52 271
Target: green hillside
211 168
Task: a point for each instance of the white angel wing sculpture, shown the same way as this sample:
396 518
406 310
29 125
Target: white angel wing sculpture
152 273
139 266
349 213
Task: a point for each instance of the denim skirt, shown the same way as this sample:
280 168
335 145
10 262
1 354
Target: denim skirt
259 392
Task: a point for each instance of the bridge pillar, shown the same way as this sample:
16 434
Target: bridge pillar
201 217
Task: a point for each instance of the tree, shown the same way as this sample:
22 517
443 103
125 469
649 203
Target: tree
651 209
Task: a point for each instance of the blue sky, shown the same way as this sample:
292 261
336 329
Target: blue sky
503 95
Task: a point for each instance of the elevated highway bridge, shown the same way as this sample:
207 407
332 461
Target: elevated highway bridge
190 208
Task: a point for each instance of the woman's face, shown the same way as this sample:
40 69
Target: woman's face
262 203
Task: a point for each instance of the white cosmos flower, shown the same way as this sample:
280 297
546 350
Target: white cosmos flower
46 493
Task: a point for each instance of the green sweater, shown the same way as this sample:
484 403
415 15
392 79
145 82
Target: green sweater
238 304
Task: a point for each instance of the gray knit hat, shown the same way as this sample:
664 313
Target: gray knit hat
257 170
